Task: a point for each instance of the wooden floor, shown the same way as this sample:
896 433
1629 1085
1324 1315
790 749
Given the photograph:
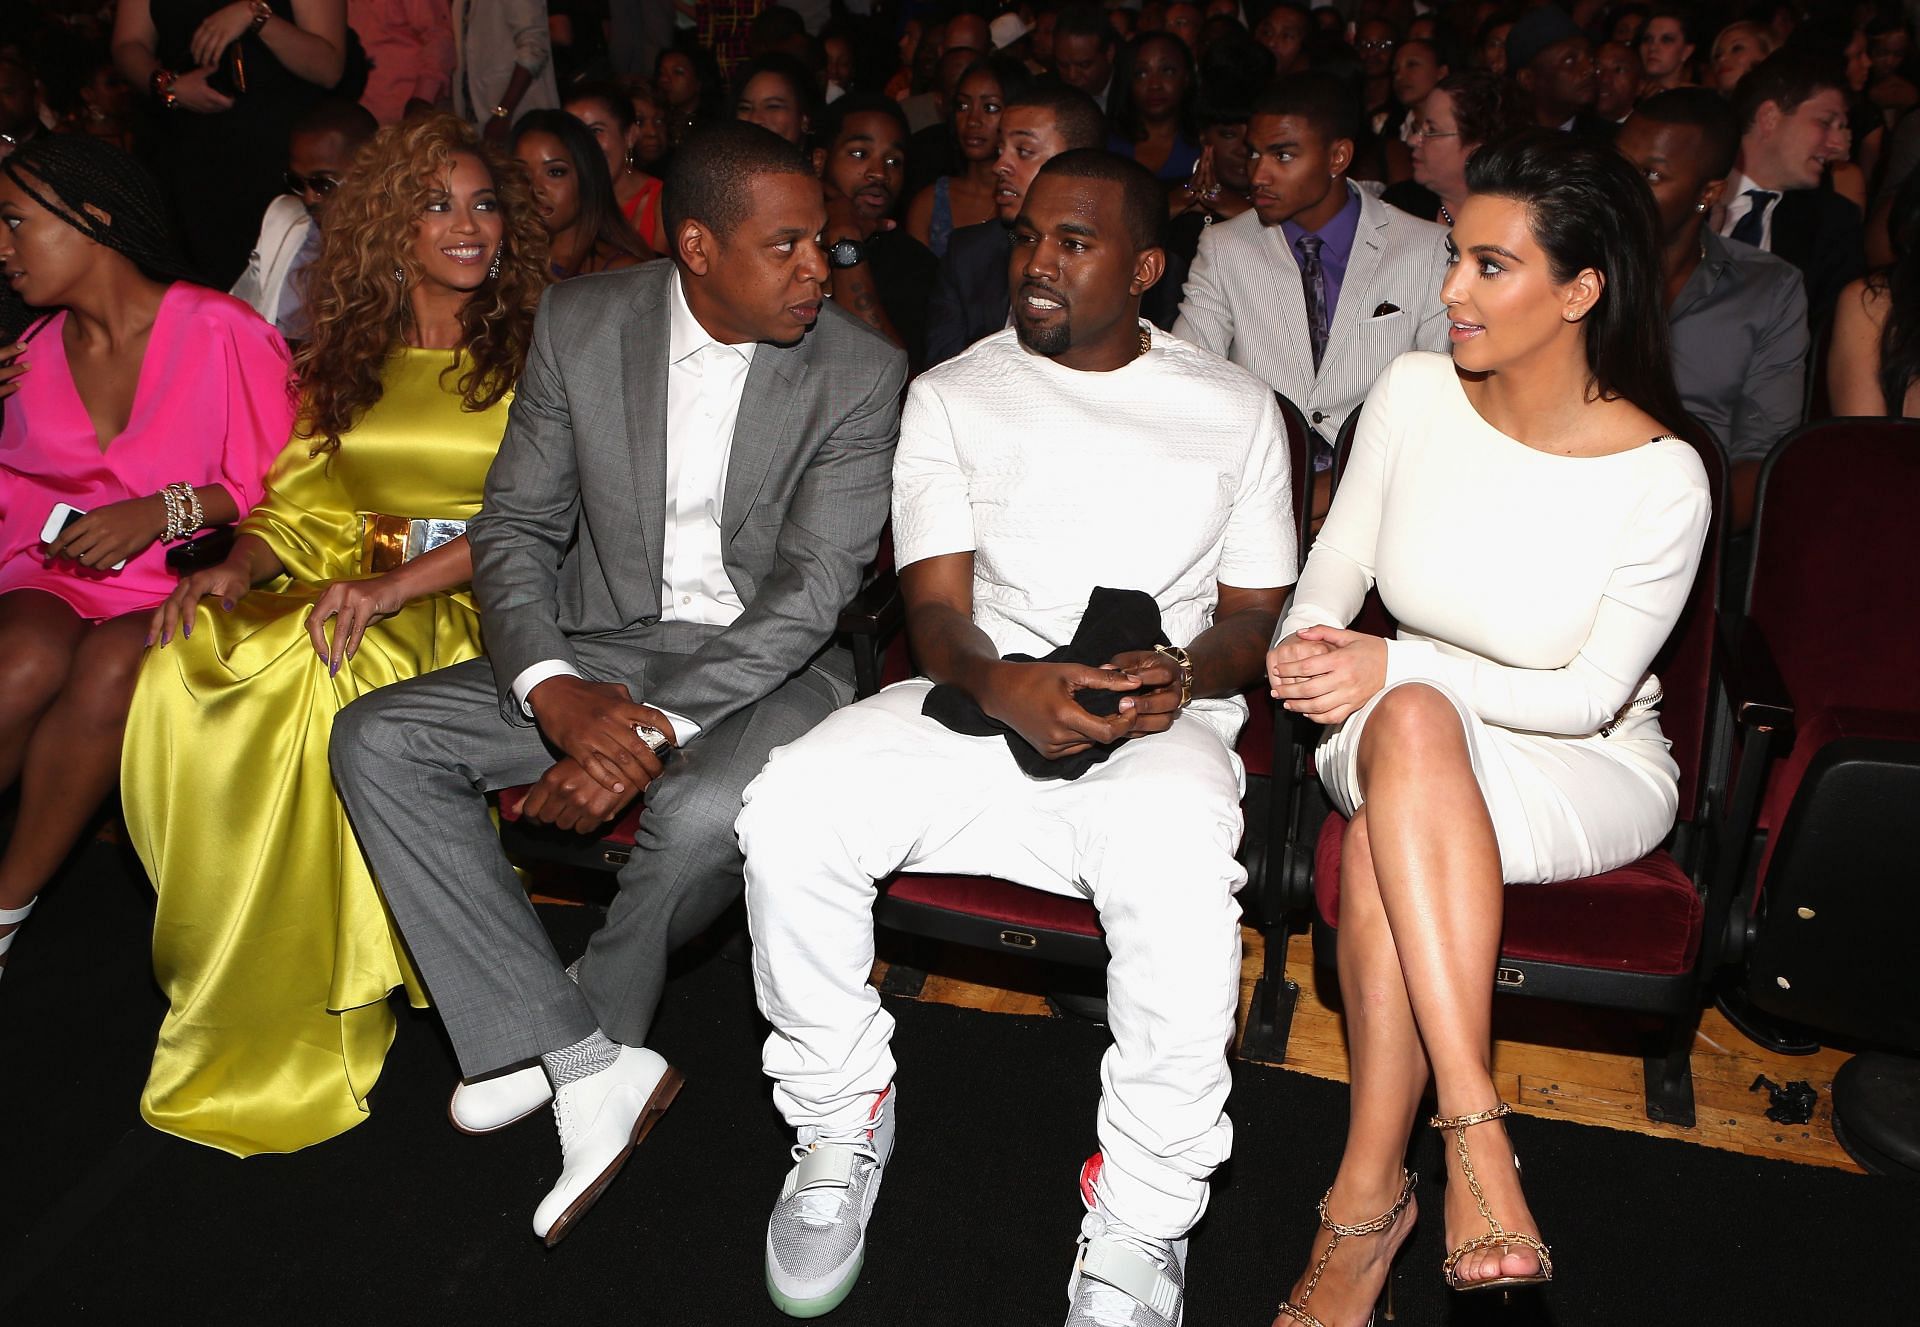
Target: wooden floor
1548 1059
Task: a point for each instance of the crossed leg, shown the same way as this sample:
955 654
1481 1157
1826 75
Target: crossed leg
1420 918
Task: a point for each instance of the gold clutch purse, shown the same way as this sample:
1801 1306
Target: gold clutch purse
390 542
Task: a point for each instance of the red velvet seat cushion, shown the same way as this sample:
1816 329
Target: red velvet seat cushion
998 900
620 831
1644 917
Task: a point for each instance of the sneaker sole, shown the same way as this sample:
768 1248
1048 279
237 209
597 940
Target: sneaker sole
663 1094
820 1305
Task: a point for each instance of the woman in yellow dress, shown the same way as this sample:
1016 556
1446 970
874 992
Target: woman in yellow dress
270 939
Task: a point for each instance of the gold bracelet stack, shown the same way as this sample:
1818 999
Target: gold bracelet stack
184 512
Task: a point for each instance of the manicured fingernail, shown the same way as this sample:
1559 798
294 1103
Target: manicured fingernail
186 629
165 637
333 668
149 638
227 604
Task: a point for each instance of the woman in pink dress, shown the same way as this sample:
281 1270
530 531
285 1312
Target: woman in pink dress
147 404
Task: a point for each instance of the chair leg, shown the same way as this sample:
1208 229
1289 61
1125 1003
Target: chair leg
1270 1013
1668 1066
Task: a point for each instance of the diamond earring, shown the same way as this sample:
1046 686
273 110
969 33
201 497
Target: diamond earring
400 275
493 269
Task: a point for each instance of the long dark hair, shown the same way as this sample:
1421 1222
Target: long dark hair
1900 333
1121 109
600 215
1588 208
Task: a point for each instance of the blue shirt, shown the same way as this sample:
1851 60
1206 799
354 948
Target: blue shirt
1336 246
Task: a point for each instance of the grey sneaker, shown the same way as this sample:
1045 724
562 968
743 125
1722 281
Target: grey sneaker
817 1235
1122 1278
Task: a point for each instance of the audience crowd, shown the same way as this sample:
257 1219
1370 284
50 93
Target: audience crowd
526 295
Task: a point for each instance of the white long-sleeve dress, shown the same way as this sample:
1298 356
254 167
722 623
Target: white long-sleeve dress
1533 590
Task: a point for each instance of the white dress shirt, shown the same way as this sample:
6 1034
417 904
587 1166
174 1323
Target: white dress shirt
1738 205
705 381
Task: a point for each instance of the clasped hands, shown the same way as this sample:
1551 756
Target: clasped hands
605 763
1037 701
1326 673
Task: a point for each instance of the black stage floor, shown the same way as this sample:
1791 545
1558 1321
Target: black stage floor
404 1220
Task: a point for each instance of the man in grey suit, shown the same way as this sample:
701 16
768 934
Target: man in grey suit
692 482
1321 285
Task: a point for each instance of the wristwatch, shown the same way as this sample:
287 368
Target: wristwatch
655 739
501 112
262 11
846 253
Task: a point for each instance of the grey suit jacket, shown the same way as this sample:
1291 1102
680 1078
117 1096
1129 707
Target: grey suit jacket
568 542
1244 300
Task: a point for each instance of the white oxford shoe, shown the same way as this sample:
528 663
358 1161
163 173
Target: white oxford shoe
491 1104
602 1118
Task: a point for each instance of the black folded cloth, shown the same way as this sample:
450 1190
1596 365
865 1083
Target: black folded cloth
1116 621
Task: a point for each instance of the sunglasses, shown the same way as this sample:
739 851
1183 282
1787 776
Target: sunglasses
321 185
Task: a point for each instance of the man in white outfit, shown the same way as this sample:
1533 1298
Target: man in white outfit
1077 449
320 153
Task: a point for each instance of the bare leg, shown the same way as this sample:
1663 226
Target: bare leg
38 637
1437 864
1388 1070
73 756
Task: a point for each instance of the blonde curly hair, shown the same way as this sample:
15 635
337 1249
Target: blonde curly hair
360 314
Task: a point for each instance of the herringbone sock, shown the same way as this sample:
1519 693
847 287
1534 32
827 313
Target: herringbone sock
583 1058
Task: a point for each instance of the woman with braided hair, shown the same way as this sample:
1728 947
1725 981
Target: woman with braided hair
270 938
141 407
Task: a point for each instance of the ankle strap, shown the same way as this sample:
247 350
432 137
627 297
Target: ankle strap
1379 1223
1468 1121
8 916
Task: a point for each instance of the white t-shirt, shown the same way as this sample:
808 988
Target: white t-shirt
1168 475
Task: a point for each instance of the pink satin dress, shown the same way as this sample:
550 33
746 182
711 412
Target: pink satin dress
214 405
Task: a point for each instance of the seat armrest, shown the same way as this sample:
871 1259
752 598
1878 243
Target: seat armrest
1758 695
878 610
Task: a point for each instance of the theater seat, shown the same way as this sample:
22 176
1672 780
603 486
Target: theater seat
1645 938
1821 831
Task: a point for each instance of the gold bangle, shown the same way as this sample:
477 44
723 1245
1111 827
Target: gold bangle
1185 662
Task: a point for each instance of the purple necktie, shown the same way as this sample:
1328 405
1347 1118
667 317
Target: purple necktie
1314 278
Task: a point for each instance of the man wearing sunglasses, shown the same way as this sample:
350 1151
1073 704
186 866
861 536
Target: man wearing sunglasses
319 155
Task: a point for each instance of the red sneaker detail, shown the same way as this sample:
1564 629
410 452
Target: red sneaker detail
1089 1176
878 1102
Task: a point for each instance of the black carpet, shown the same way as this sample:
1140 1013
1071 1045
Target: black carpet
404 1220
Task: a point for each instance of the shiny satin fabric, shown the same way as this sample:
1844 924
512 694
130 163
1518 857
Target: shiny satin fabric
270 937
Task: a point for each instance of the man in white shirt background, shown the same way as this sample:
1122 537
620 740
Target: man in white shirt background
1793 123
319 158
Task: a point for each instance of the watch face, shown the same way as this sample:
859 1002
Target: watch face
845 253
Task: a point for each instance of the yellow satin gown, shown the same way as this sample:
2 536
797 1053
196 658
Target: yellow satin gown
270 937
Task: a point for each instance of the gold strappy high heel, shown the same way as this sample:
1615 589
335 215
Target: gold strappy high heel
1298 1312
1497 1236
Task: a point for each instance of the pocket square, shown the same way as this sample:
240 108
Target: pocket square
1386 309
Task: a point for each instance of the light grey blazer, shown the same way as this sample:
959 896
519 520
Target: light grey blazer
1244 300
569 536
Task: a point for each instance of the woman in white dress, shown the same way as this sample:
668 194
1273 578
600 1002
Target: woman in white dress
1535 530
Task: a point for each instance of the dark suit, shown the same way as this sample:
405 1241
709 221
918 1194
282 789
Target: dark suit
568 565
1822 234
970 297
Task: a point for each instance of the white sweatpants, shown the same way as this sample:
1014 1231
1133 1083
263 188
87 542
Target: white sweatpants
1148 836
